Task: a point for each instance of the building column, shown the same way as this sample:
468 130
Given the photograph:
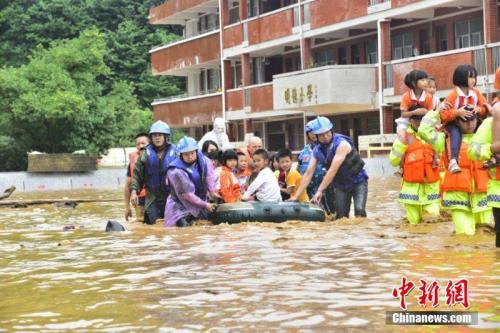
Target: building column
247 126
245 70
388 119
306 53
224 11
491 30
243 10
385 51
384 54
228 75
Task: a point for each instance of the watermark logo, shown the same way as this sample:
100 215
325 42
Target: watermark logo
456 293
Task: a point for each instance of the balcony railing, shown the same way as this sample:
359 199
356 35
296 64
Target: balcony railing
187 95
378 5
187 37
376 2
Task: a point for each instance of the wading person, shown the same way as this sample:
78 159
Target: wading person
328 201
191 179
150 172
141 141
337 154
421 179
464 193
481 148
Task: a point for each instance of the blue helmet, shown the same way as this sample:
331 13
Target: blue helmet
186 144
309 126
321 125
160 127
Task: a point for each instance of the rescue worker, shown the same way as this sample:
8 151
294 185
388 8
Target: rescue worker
481 148
337 154
328 201
191 179
150 172
421 178
141 141
218 135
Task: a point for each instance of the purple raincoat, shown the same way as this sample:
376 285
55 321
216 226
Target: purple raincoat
189 202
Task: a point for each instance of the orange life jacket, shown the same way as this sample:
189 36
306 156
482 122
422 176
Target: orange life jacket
229 186
471 171
133 158
417 167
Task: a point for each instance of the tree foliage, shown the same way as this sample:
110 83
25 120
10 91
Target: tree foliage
76 75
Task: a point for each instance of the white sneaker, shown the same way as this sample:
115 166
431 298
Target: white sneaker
453 166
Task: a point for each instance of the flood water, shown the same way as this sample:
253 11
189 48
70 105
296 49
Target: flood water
254 277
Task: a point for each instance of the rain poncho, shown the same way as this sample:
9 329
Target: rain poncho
217 135
186 202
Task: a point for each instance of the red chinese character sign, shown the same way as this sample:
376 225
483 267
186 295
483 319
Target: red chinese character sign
403 291
456 293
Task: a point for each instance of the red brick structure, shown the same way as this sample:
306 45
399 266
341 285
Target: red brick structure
285 61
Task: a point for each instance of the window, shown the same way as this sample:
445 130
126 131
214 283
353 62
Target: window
234 11
307 13
355 57
342 56
296 17
425 43
402 46
258 70
442 38
237 74
209 80
323 57
208 23
253 8
289 67
371 52
468 33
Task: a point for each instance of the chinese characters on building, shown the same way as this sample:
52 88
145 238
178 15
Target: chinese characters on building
301 94
456 293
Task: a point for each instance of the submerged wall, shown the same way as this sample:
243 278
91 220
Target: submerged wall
378 167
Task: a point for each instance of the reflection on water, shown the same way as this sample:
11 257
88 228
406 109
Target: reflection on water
296 276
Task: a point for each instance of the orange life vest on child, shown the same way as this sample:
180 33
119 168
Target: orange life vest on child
133 158
229 186
417 167
471 170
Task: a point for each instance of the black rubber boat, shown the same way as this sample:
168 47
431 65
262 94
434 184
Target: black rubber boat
267 212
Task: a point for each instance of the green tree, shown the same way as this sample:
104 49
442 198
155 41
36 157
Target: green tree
54 103
25 24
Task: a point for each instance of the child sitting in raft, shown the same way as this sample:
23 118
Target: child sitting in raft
288 177
242 172
229 188
265 186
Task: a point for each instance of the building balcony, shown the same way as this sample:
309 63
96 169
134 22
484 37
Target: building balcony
180 57
334 89
189 111
255 98
180 11
240 37
441 66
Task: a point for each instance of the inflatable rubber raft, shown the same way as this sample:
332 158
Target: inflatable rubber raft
267 212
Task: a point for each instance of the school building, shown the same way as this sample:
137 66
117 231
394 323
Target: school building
268 66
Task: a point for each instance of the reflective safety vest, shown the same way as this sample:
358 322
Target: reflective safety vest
471 171
133 157
418 162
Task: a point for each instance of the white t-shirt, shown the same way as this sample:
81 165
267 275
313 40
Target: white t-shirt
265 186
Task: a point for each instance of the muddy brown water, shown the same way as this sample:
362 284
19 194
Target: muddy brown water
254 277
